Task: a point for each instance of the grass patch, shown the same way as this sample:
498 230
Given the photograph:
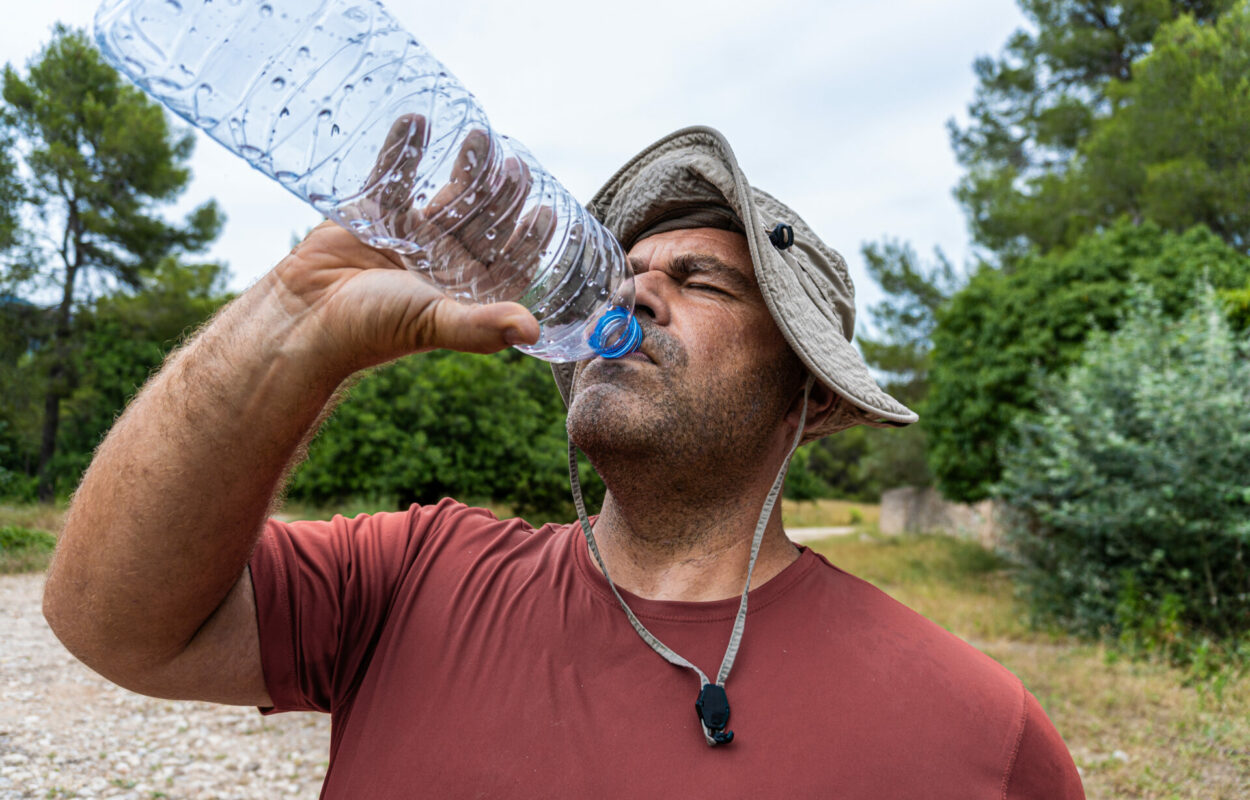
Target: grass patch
794 514
1136 728
24 549
827 513
38 516
293 510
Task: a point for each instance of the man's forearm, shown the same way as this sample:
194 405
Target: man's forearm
168 513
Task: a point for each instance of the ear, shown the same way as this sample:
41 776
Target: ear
821 402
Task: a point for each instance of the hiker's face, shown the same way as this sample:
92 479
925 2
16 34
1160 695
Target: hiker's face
713 369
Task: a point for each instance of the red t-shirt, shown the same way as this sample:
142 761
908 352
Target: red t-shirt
461 655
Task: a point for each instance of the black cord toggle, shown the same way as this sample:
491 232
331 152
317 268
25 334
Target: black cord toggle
713 710
782 236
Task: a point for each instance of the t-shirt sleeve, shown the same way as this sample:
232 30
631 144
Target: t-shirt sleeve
323 591
1042 768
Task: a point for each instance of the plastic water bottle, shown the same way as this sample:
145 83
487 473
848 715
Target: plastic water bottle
335 101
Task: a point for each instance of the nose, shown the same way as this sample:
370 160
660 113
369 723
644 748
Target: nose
651 296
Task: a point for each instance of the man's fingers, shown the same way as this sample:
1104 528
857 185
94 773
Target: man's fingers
500 197
452 201
405 144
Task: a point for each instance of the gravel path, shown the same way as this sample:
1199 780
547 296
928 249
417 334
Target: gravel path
66 732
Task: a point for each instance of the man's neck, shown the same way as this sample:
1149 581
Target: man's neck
684 545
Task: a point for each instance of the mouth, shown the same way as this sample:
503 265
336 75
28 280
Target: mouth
637 355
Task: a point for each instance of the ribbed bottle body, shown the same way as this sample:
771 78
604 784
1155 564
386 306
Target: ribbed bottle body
349 112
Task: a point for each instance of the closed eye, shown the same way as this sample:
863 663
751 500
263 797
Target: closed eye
706 287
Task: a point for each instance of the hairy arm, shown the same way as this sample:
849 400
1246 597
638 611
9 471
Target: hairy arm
149 586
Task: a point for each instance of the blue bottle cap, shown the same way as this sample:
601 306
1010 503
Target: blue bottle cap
616 334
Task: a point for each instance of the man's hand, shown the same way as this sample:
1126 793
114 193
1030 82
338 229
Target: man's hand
359 306
364 307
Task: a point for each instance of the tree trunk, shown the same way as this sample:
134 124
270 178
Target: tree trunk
51 421
58 378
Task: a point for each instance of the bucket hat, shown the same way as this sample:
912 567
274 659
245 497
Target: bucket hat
691 178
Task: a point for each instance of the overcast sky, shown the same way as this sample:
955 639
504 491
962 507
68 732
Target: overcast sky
838 107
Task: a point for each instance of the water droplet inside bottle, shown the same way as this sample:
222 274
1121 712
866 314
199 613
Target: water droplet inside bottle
303 52
175 5
278 83
348 88
490 234
286 176
471 157
359 224
251 153
422 197
469 198
284 113
266 11
334 130
356 14
324 115
368 80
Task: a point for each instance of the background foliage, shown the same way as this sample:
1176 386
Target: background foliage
1004 329
1129 491
478 428
97 160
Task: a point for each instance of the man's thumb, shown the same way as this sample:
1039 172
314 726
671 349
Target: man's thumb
483 328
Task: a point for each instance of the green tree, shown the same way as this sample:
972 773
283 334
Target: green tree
1003 329
123 338
11 193
861 463
446 424
1039 101
1128 497
1174 150
101 159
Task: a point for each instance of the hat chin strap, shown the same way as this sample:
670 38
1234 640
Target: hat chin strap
712 706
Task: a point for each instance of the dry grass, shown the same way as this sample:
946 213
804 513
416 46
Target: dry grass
40 517
827 513
1135 729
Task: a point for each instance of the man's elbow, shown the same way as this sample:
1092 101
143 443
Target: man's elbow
82 629
69 617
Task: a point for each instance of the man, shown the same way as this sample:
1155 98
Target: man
463 655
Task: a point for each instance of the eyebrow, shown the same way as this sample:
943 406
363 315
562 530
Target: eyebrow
687 264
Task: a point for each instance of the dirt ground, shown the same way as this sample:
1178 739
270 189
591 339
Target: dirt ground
67 732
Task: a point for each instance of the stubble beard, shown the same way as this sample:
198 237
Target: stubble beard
649 423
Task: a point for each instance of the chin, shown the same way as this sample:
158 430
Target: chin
601 420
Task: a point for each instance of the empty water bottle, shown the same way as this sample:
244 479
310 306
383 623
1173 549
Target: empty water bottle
334 100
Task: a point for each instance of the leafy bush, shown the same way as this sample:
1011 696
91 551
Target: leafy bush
1128 494
445 424
1003 328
